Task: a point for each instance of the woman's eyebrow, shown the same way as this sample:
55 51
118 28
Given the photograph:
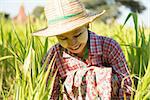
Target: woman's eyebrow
78 32
60 36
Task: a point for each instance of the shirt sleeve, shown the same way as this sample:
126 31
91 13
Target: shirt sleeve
118 63
56 88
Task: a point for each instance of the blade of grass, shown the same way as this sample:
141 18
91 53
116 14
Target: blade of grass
19 40
5 57
47 72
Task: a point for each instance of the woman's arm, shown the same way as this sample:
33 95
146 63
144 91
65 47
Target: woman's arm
118 62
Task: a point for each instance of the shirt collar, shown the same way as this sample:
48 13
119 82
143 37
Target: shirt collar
95 44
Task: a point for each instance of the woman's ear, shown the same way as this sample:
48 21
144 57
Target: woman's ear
87 26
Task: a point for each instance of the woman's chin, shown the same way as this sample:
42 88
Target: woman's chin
79 51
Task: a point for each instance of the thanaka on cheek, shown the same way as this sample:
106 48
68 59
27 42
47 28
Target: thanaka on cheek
74 41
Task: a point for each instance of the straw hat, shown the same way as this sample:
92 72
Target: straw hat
64 16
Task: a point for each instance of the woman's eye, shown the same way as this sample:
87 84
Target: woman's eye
63 38
78 35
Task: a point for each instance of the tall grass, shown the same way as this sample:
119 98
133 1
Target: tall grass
139 57
138 50
23 76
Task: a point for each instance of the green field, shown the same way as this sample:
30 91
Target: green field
22 77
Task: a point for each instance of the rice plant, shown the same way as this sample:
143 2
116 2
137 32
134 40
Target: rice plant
23 76
138 50
139 57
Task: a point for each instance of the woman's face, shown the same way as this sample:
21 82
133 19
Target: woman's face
75 41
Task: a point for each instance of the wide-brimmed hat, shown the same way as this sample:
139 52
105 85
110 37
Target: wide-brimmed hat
64 16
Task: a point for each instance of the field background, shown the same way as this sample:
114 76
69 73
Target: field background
22 77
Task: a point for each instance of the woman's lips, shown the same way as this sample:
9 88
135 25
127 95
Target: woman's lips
76 47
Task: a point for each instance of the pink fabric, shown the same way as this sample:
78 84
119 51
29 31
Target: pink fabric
98 83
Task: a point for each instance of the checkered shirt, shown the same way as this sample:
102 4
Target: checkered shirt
102 52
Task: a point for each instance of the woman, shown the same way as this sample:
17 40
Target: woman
89 65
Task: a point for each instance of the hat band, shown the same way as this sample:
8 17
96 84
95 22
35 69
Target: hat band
62 18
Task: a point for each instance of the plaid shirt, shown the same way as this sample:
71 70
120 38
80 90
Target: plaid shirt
102 52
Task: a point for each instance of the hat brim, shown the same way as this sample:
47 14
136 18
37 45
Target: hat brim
61 29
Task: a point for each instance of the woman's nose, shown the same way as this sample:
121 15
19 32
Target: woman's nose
72 41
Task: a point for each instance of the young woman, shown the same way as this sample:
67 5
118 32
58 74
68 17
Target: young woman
89 65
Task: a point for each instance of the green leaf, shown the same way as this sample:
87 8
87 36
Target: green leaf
46 45
27 61
5 57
